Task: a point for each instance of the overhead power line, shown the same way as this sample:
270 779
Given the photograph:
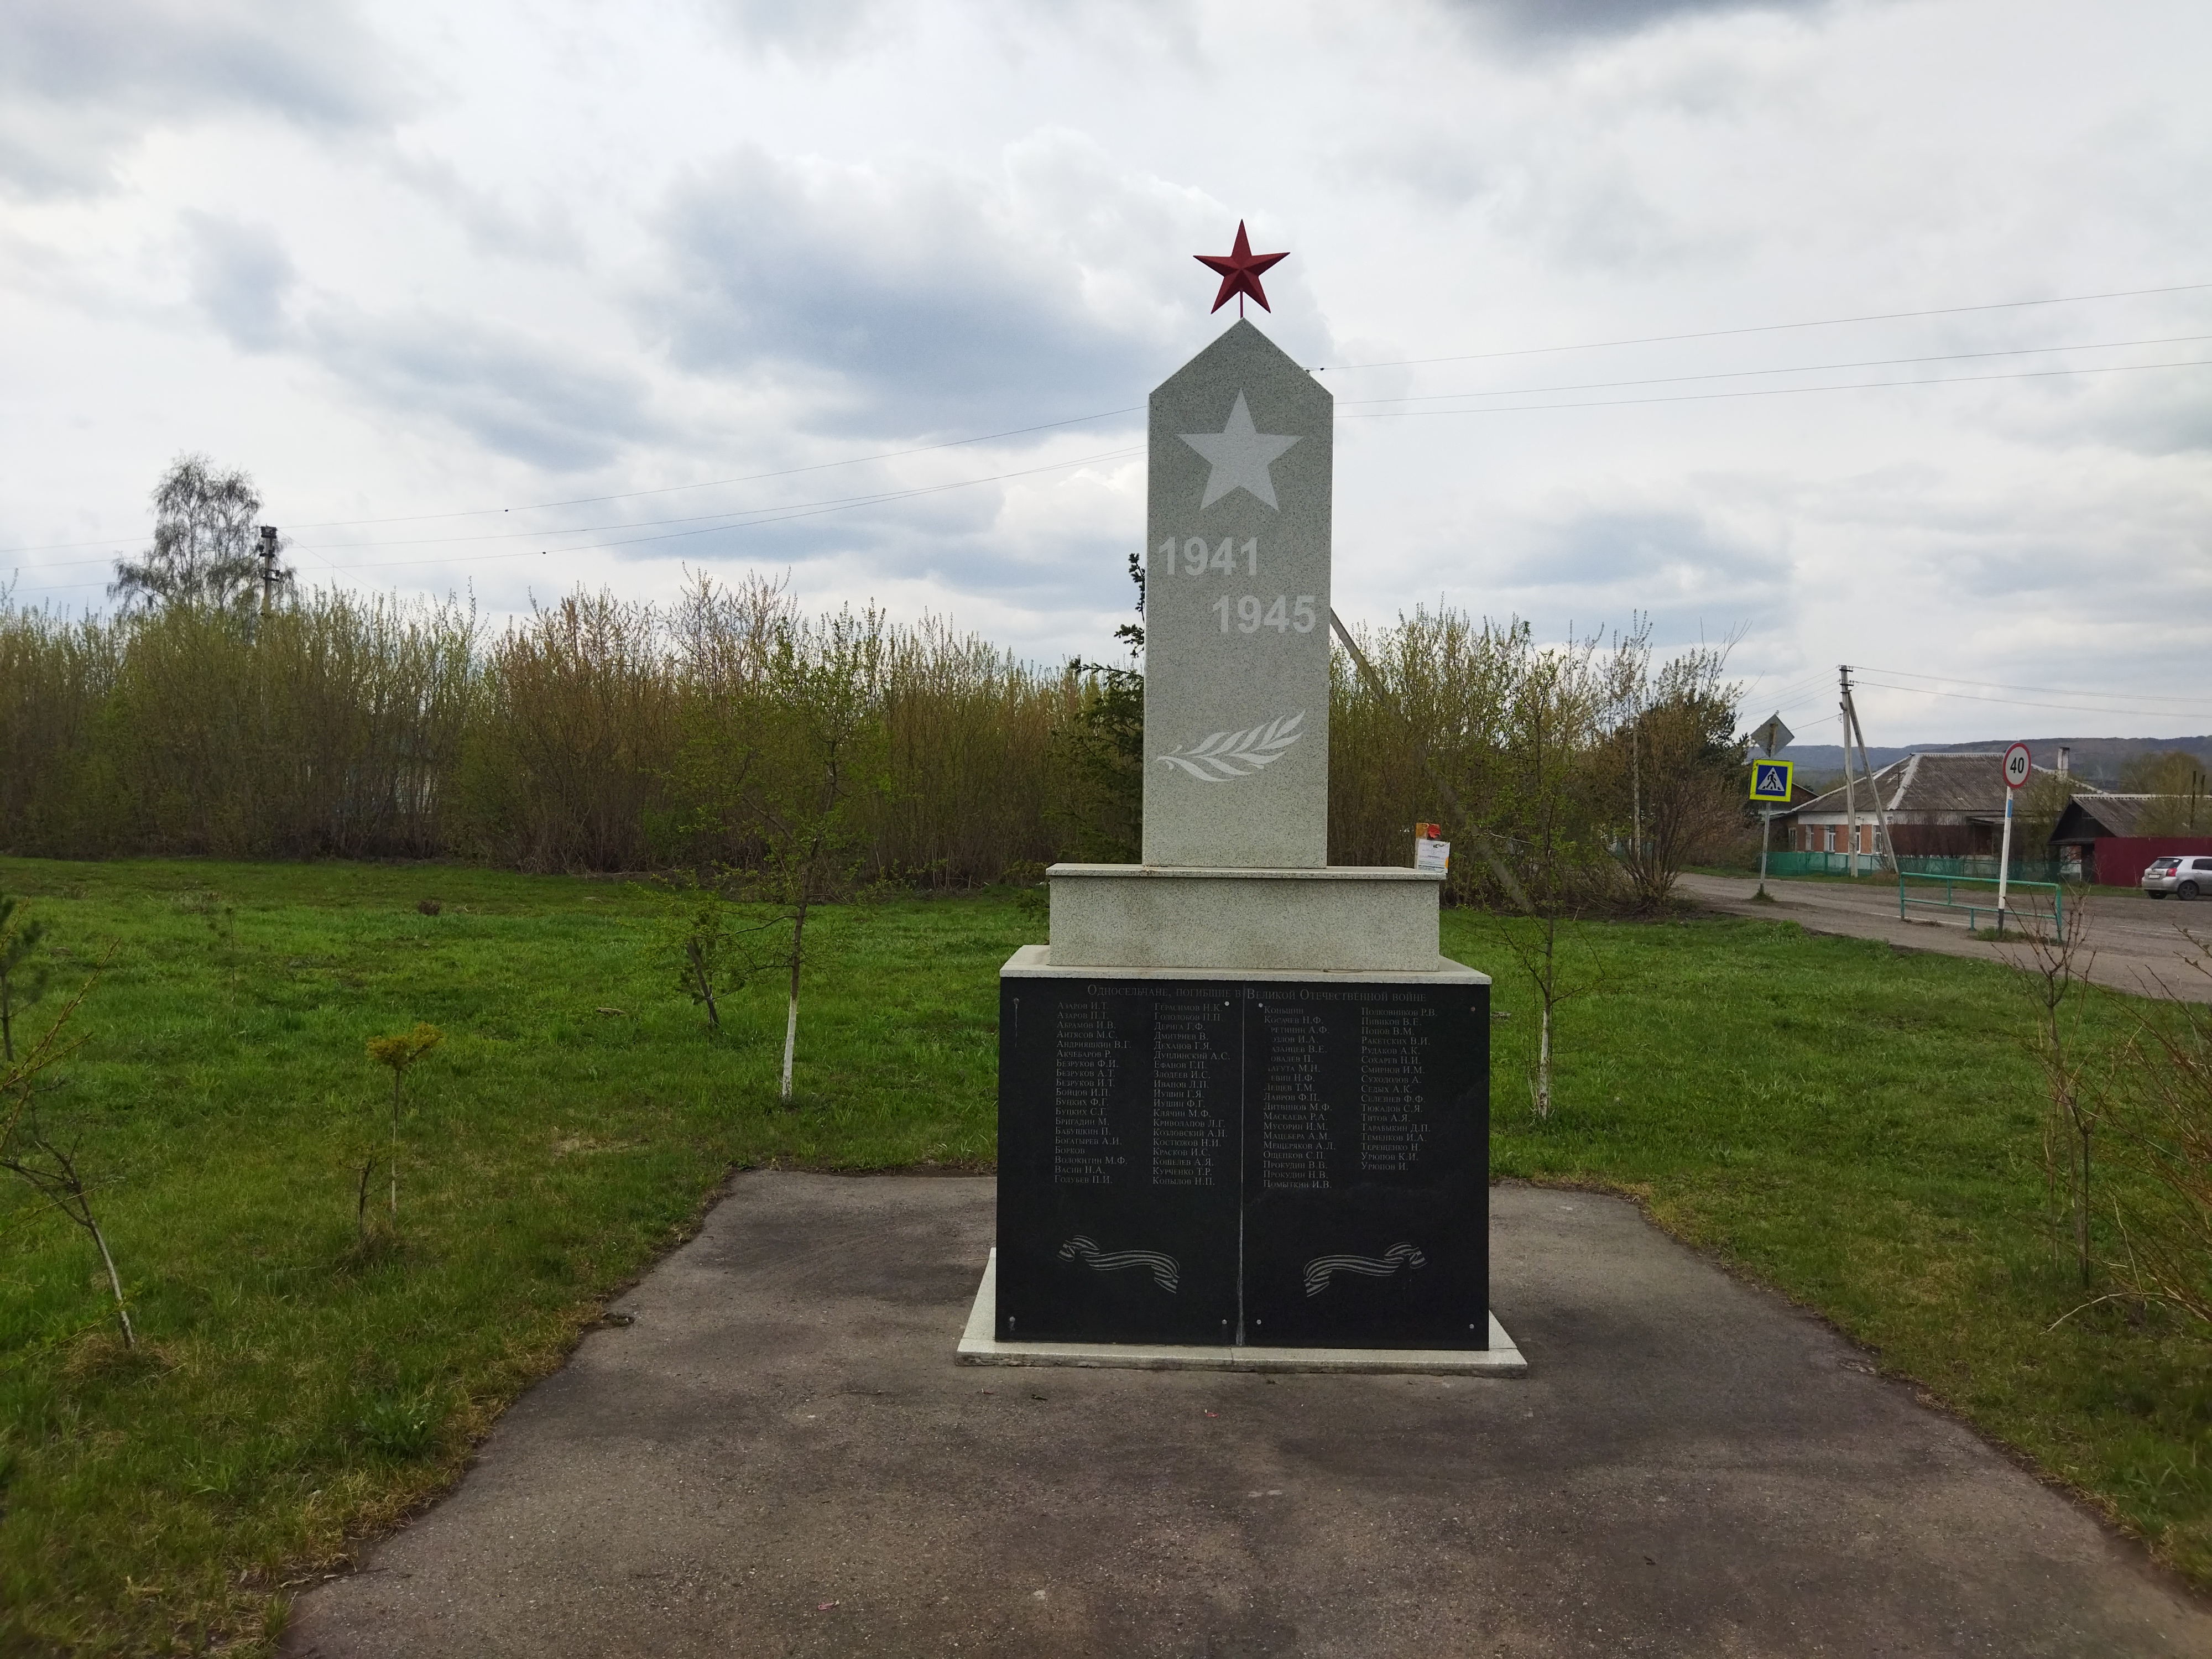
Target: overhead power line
735 519
633 495
1806 368
804 510
2021 703
2039 690
749 477
757 518
1767 328
1774 392
771 515
731 520
1080 420
745 519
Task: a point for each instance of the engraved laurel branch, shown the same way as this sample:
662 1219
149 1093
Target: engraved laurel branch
1166 1272
1322 1268
1227 755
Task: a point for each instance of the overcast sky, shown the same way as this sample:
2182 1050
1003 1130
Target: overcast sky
423 269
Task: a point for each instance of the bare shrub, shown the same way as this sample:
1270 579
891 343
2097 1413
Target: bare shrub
2163 1136
2062 960
1672 766
360 727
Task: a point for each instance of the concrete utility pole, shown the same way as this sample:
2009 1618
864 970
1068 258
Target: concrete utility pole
1888 847
1851 792
268 556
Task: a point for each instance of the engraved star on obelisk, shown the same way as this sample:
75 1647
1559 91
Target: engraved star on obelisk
1240 270
1241 455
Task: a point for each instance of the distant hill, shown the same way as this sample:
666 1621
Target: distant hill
2098 760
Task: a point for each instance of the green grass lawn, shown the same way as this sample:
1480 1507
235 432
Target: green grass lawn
1861 1129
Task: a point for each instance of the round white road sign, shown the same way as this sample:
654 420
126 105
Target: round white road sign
2016 766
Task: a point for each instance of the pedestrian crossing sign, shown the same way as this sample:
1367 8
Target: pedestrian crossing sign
1770 781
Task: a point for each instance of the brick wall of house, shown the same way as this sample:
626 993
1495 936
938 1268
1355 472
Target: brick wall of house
1942 840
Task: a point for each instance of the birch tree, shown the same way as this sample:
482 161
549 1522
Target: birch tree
206 523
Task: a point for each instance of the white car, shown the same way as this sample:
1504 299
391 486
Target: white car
2178 874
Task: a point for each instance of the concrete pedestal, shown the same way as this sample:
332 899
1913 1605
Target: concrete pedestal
1502 1356
1338 918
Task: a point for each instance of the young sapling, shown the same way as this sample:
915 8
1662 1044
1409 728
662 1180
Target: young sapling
50 1171
400 1052
23 979
31 1154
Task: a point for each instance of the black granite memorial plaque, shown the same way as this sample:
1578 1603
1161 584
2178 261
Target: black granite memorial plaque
1366 1166
1118 1150
1279 1163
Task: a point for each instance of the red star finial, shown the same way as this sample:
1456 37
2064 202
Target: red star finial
1240 270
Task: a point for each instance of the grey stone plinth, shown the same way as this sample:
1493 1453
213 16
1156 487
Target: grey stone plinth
1334 919
1502 1357
1237 637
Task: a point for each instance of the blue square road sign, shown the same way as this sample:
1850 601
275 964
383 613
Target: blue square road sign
1770 781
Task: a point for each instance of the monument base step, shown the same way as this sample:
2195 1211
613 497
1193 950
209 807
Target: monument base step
1338 918
979 1347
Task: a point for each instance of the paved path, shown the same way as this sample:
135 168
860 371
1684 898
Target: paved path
780 1457
2135 944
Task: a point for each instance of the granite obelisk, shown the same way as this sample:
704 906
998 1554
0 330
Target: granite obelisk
1236 611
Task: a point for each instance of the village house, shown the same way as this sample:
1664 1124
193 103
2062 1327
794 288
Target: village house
1946 806
2110 838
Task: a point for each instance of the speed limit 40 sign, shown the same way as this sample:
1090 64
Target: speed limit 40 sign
2016 766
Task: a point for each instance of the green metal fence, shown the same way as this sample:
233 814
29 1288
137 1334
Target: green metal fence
2028 903
1812 864
1982 869
1986 869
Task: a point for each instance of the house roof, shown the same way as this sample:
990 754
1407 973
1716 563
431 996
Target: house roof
1971 785
2087 817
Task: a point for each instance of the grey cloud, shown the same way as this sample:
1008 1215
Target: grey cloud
1594 213
957 538
2089 566
802 28
2076 548
1548 22
514 394
549 232
918 299
2157 412
80 82
1696 580
240 276
1085 571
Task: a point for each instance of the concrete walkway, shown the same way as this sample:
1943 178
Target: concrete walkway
780 1457
2132 943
